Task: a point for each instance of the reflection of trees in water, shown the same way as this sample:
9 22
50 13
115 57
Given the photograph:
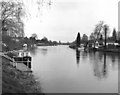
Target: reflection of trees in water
101 62
99 65
32 51
119 63
84 55
44 51
92 56
114 57
104 66
77 56
100 56
119 58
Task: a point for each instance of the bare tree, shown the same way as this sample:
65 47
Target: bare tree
98 29
91 37
84 38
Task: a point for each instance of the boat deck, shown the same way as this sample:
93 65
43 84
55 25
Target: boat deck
23 67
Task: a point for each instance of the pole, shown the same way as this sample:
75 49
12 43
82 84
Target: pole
105 35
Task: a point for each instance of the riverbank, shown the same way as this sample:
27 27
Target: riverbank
109 50
114 50
17 81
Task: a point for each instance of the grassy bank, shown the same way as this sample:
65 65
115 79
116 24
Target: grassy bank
16 81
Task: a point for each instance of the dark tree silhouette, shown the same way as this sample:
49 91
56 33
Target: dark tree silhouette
84 38
78 40
105 30
44 39
92 37
34 35
101 37
77 56
114 35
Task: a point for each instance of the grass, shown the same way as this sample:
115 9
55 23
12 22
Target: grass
16 81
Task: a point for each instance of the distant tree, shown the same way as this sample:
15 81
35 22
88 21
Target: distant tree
50 42
59 42
114 34
26 40
106 28
92 37
97 30
55 42
34 35
101 37
119 35
33 38
84 38
68 43
44 39
100 30
78 40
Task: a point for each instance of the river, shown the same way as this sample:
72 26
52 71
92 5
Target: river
60 69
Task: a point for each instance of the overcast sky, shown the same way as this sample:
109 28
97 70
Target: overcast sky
65 18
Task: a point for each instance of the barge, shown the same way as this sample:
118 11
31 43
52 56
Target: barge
23 57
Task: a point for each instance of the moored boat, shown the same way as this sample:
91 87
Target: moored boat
80 48
23 57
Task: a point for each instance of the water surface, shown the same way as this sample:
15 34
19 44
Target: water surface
63 70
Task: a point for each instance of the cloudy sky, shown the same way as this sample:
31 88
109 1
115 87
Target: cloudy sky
65 18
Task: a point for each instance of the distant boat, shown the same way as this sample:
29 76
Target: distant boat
73 46
80 48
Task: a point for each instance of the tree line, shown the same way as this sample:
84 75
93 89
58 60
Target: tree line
12 28
99 34
12 25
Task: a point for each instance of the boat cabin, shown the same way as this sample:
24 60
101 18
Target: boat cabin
23 57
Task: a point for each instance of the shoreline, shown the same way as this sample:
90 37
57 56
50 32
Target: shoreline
99 49
17 81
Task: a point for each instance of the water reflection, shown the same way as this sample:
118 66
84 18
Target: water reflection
44 51
98 62
113 59
59 73
119 58
102 61
99 65
33 51
84 55
104 66
77 56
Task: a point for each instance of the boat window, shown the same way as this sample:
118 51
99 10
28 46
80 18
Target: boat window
24 53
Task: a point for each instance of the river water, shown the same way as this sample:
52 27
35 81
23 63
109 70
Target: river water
60 69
